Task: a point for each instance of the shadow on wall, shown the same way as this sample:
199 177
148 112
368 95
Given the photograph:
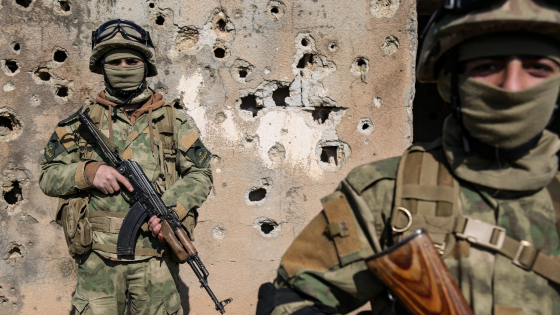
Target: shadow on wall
183 291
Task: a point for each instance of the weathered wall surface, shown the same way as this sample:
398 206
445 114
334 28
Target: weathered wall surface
288 95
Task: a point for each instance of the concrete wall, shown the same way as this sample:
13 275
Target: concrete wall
288 95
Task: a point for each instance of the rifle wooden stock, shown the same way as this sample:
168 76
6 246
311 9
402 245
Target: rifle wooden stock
173 242
414 271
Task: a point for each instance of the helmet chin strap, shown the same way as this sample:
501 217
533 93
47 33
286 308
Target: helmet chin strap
122 93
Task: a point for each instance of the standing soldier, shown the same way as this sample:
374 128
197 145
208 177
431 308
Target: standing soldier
149 131
487 192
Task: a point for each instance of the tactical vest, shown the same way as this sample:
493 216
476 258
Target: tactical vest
427 196
111 222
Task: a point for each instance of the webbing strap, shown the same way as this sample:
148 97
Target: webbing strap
160 252
523 254
554 191
111 222
168 145
424 187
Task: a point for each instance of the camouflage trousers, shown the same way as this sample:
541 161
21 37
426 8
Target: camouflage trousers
152 286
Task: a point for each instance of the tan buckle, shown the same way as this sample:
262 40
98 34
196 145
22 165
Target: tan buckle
480 233
515 260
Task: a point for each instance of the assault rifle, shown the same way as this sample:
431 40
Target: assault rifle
416 275
147 203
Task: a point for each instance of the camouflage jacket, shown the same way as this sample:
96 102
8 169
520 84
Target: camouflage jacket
62 170
331 271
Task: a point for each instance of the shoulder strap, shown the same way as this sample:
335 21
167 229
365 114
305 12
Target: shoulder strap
96 115
554 191
167 130
425 192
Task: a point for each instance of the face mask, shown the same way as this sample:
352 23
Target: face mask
126 78
506 119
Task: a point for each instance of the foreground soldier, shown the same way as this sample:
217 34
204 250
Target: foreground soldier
485 192
149 131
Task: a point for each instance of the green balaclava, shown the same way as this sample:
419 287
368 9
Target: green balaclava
503 121
494 116
126 78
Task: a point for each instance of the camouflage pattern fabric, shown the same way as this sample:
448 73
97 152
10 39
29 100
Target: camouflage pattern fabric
489 281
62 175
151 284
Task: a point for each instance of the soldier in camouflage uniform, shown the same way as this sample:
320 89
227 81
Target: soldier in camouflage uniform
487 192
149 131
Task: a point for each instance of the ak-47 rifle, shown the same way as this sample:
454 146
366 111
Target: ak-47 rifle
416 275
147 203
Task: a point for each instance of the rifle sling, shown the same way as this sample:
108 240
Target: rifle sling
523 254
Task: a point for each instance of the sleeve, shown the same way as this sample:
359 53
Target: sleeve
325 265
62 172
195 174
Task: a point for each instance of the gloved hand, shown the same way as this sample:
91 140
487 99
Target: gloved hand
190 222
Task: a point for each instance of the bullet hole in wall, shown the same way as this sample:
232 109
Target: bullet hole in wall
365 126
221 25
160 20
320 115
60 56
12 65
257 195
44 76
266 228
24 3
280 94
304 42
305 62
6 126
275 10
10 124
277 153
14 253
12 193
16 47
249 103
361 62
151 5
64 5
219 53
329 155
62 91
333 46
243 73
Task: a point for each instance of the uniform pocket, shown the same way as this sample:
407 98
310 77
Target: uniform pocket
173 304
81 304
76 225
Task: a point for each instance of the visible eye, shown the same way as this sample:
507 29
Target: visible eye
114 62
541 67
483 67
133 62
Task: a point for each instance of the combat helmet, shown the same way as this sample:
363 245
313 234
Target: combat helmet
121 34
456 21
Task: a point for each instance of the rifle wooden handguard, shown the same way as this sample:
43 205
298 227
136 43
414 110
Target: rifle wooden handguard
415 273
173 242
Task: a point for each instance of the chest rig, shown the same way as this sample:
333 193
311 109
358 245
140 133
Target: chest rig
427 196
165 129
